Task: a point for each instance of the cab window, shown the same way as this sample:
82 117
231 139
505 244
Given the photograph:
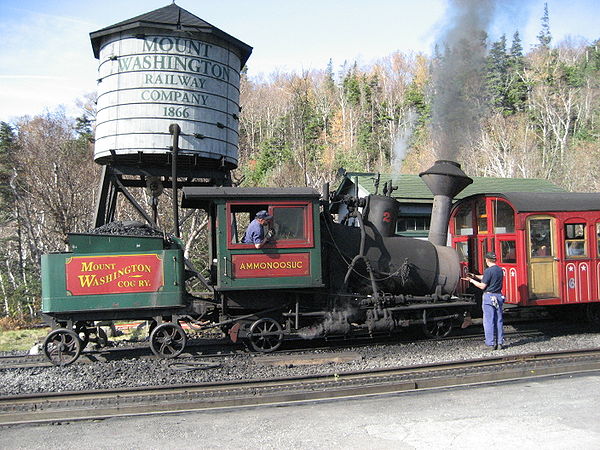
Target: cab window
291 225
575 240
240 218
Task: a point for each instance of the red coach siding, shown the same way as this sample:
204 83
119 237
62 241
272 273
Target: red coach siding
577 278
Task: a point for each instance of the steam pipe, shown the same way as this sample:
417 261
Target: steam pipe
440 216
445 179
175 129
361 255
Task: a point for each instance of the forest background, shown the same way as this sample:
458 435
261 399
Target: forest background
494 108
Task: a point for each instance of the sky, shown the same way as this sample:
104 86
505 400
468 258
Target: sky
46 58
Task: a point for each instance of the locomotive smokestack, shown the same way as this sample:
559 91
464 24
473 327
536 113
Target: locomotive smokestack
445 179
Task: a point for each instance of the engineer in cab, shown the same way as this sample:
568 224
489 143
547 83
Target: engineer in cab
255 233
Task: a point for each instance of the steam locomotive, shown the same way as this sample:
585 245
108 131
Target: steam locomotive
316 277
167 116
168 74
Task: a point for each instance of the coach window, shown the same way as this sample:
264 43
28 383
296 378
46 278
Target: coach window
509 252
463 221
504 217
575 240
482 226
598 239
462 248
540 238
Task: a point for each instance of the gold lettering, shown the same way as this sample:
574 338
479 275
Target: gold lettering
87 280
92 266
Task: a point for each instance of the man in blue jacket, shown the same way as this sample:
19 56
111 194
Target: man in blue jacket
491 285
255 233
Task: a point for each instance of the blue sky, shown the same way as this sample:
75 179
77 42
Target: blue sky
46 57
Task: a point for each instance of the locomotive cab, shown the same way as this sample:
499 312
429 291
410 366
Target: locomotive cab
290 259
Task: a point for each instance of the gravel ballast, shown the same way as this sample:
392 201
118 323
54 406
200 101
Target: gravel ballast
154 371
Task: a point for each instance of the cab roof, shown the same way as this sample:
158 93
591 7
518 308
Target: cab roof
201 197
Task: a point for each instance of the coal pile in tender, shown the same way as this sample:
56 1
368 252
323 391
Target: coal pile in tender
127 228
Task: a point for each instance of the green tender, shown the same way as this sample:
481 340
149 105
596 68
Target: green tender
104 243
55 297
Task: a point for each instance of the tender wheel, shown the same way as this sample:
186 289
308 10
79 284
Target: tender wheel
167 340
436 329
265 335
82 330
99 337
62 347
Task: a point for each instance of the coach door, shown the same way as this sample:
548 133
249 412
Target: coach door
542 255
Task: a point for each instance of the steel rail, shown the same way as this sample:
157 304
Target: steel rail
96 405
226 348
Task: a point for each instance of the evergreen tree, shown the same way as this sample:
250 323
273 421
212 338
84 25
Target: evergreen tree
497 75
7 146
329 79
351 86
544 36
516 52
517 88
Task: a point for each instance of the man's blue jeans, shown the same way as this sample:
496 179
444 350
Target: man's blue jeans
492 319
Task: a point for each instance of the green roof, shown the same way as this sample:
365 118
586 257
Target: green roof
411 189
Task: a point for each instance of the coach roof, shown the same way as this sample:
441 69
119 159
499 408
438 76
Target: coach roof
550 201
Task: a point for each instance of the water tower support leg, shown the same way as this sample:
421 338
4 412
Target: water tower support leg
106 199
134 202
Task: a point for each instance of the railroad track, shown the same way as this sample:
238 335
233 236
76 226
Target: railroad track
97 405
223 348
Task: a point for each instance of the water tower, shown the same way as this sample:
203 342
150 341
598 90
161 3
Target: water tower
168 105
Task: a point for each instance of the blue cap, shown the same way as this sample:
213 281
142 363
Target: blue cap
491 256
263 215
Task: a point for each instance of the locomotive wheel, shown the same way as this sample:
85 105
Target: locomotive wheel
265 335
436 329
62 347
167 340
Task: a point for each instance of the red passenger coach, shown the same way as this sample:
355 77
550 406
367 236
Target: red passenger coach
548 245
